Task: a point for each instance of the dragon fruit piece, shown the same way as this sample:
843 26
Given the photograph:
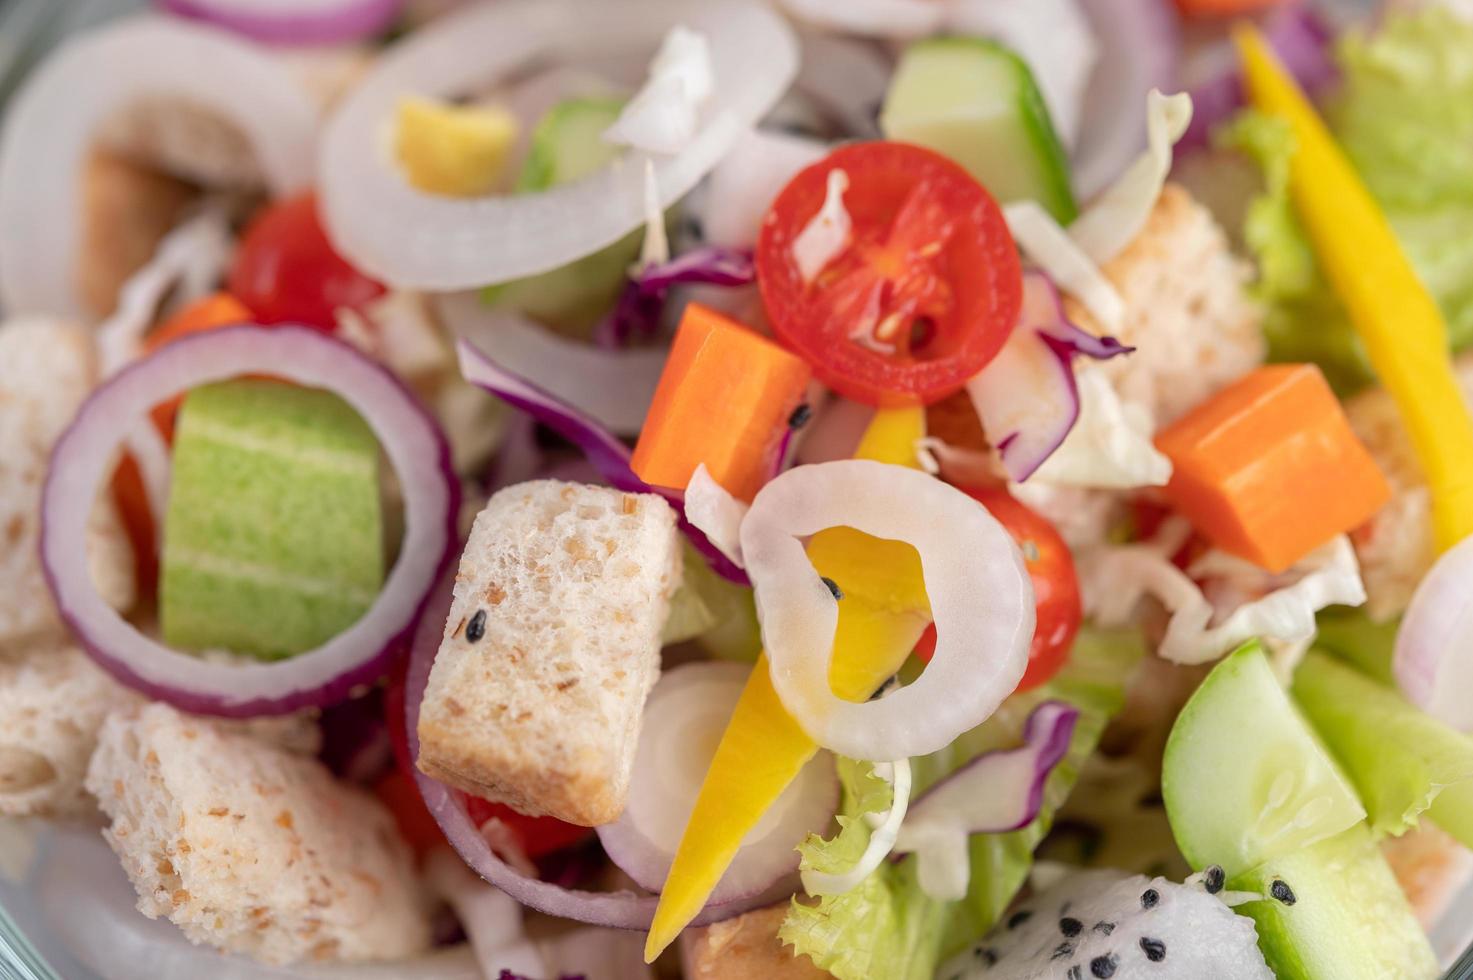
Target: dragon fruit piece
1105 925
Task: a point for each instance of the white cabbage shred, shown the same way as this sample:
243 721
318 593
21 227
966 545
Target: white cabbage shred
885 832
713 511
827 233
661 117
1110 444
1048 245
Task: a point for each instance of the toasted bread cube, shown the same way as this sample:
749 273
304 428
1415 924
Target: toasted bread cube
551 646
250 848
745 948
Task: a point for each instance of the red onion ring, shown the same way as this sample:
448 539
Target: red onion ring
81 459
292 21
1433 662
618 910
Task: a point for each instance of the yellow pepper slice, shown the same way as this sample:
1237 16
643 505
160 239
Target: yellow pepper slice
883 614
1397 319
457 151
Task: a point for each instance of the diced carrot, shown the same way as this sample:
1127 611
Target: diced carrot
723 400
1268 469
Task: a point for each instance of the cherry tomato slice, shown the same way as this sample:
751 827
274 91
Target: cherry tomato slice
286 270
1055 586
922 296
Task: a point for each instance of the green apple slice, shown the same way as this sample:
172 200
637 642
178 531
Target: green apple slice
273 537
1244 778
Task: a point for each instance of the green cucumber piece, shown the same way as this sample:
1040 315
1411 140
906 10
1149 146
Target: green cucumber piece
1349 919
1244 778
1400 759
976 102
273 537
1355 638
568 145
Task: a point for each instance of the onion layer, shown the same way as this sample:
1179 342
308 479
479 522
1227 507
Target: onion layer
980 594
1433 662
411 239
994 793
293 21
50 125
683 721
619 910
83 456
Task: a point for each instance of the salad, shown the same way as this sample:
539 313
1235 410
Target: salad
904 489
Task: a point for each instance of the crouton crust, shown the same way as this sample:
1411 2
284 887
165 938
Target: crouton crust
746 947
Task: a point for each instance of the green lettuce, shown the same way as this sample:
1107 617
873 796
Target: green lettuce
1404 115
888 927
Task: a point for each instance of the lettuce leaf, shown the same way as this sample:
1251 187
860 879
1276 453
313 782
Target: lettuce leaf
1405 118
888 927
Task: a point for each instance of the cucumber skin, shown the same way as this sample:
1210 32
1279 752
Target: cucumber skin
1350 920
1057 195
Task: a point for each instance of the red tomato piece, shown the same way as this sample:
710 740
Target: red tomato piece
286 270
1055 586
923 294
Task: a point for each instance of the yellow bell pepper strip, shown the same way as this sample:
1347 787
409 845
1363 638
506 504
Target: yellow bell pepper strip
883 613
1396 318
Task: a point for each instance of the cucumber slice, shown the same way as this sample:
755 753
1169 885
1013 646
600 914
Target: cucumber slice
1352 636
1244 778
976 102
568 145
1348 921
1399 758
273 537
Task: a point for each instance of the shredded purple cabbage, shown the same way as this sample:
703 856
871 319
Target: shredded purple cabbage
643 300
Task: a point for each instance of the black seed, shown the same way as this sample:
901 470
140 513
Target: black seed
1103 966
1062 950
1075 973
1018 918
986 954
833 587
1149 898
1105 927
477 627
1154 949
1213 879
800 416
1280 889
1070 927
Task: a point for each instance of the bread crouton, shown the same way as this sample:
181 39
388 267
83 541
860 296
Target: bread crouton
745 948
1395 546
551 646
126 209
251 849
53 699
1187 313
1431 868
47 368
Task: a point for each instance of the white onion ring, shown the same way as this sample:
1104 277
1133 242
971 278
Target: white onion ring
683 721
50 125
83 456
618 910
877 18
1433 663
613 386
981 599
408 238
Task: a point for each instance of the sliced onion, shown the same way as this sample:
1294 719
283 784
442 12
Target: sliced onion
87 902
51 123
745 182
1433 663
619 910
980 594
607 454
876 18
718 515
411 239
1300 38
82 458
1026 396
881 841
293 21
1047 244
1110 444
613 386
1140 49
683 721
996 792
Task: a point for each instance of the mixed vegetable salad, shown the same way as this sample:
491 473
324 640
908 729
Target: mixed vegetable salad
895 489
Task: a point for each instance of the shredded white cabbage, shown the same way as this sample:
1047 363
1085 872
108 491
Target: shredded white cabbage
881 841
1121 210
827 233
715 513
1110 444
1114 579
656 247
661 117
1044 241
